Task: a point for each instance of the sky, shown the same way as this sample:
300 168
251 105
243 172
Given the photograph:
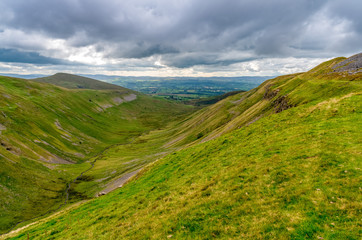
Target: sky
176 37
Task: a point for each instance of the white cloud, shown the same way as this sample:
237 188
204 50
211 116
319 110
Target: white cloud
191 37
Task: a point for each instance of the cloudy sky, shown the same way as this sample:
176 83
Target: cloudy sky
176 37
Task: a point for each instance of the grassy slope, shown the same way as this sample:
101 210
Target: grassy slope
75 82
44 123
125 158
295 174
245 108
211 100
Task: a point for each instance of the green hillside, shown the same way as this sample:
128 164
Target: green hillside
270 97
77 82
45 130
212 99
282 161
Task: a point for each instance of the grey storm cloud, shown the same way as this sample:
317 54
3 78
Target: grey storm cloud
192 32
141 51
189 60
16 56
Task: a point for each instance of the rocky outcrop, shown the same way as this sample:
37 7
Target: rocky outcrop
352 64
281 103
269 93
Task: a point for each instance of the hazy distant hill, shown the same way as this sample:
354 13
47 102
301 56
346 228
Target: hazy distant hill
172 88
77 82
188 88
23 76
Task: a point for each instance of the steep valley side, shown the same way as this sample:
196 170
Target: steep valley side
50 134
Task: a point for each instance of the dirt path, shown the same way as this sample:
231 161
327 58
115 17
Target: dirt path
118 182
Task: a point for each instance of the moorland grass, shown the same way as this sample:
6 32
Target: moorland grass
291 175
44 122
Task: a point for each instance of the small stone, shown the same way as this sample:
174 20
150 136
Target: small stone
101 194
